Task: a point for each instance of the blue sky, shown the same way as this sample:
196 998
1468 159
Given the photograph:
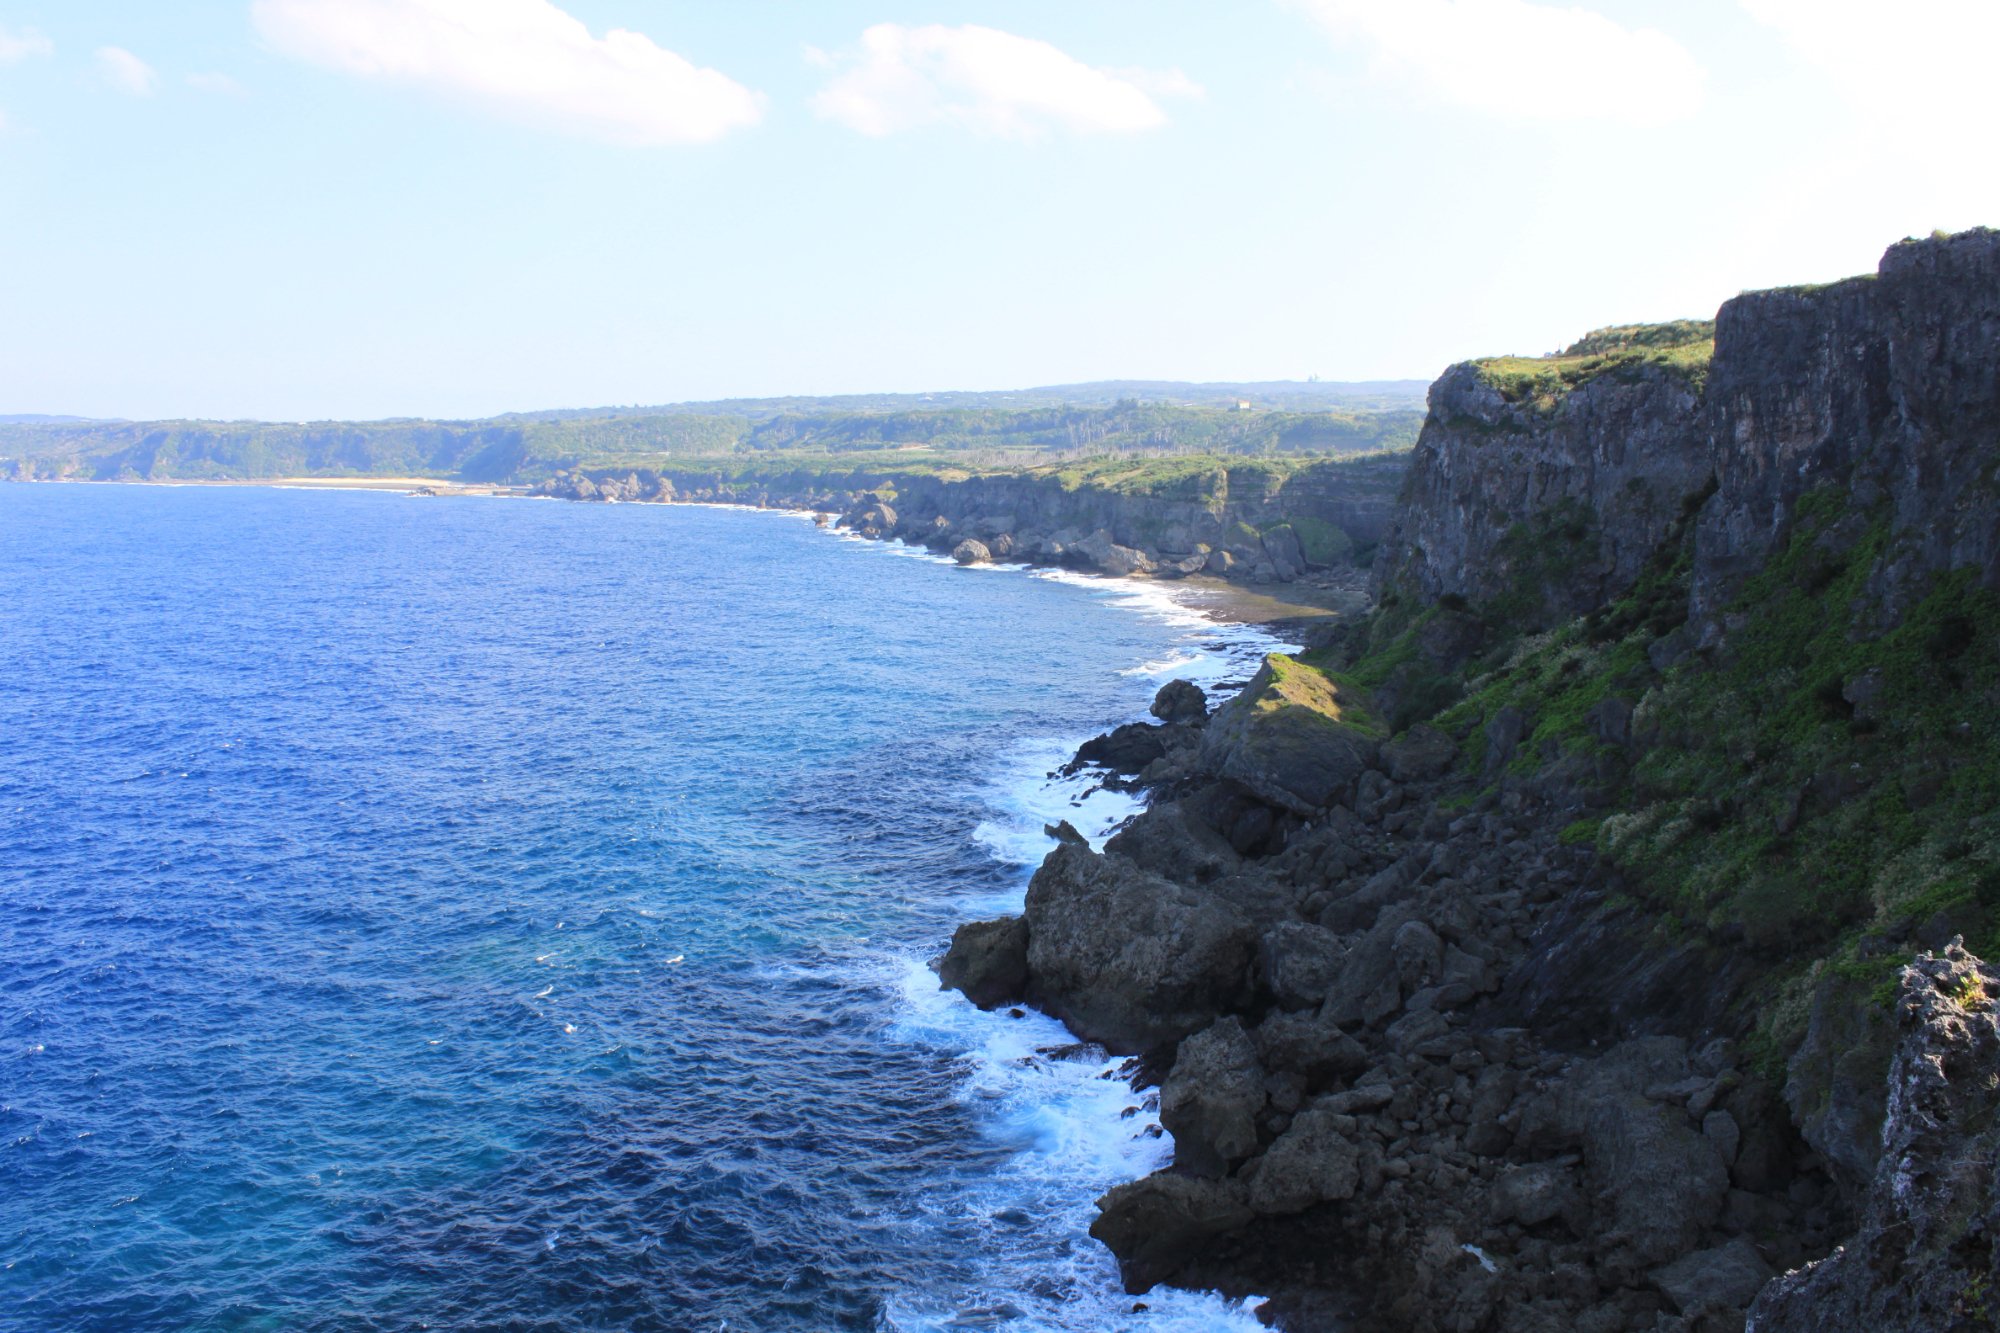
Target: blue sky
308 208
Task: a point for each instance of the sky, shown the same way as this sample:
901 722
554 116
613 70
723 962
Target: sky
307 209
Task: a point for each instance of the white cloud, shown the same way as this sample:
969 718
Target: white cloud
1521 60
18 46
126 72
523 59
986 81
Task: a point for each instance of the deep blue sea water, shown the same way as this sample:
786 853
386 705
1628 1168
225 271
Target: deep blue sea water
501 914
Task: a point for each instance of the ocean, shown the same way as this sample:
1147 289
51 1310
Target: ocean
505 914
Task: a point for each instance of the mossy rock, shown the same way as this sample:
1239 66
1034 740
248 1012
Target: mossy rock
1295 738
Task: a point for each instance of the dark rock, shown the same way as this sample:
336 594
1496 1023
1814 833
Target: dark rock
1726 1278
1310 1045
1128 959
1532 1195
971 552
1311 1163
1171 840
1157 1224
1419 755
1837 1080
1211 1101
1126 749
1299 963
988 962
1180 701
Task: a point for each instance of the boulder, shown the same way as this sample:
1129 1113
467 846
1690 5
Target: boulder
1157 1224
971 552
1180 701
1311 1163
988 962
1211 1100
1290 738
1298 963
1726 1278
1661 1182
1112 558
1127 958
1281 546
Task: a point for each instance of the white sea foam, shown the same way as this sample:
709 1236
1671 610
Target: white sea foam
1072 1127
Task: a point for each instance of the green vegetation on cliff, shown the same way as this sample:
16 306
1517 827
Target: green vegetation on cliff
1818 781
1683 348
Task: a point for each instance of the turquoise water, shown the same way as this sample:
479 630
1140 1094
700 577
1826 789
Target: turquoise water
509 914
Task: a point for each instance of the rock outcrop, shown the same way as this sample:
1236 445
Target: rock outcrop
1927 1254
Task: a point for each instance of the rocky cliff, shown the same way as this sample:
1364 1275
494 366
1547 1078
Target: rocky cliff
1253 521
1537 954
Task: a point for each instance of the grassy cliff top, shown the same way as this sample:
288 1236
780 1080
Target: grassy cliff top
1177 476
1683 347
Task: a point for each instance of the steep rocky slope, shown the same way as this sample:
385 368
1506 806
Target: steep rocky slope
1538 952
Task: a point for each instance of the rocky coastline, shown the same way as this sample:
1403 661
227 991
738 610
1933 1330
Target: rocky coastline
1447 1032
1315 528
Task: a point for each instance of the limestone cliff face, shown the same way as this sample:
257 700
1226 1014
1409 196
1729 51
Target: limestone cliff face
1256 522
1888 387
1554 505
1542 493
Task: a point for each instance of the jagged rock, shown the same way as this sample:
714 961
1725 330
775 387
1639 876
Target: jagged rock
1156 1224
1126 749
1726 1278
1285 740
971 552
1128 959
1370 988
1299 963
1211 1100
1180 701
1311 1163
988 962
1927 1254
